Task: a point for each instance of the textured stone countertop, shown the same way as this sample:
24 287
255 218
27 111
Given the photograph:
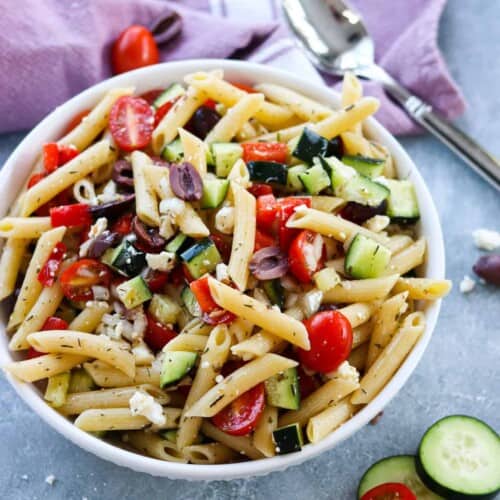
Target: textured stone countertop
458 373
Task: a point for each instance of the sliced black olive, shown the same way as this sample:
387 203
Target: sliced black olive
113 208
269 263
100 244
148 238
203 121
186 182
123 174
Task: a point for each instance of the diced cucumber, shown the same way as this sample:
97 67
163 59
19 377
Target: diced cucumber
176 365
164 309
309 146
179 243
127 260
402 203
369 167
80 381
133 292
170 435
340 174
274 292
396 469
201 258
268 172
225 155
326 279
173 91
315 179
288 439
364 191
174 151
190 302
214 192
459 458
293 181
57 388
366 258
282 390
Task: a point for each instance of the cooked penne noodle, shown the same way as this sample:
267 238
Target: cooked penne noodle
239 175
104 375
110 419
191 224
146 202
195 151
361 334
407 259
240 329
328 420
356 144
90 317
10 263
257 345
358 313
398 242
211 453
263 435
352 90
282 135
358 356
326 203
155 446
187 342
423 288
361 290
24 227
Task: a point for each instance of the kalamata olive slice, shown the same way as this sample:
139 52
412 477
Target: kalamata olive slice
203 121
186 182
335 147
148 239
159 161
100 244
113 208
123 174
358 213
488 268
269 263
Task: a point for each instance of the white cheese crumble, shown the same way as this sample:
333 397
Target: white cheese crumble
163 261
345 371
467 284
311 301
142 353
144 404
95 230
377 223
109 193
486 239
172 207
50 479
224 220
101 293
219 378
221 273
205 364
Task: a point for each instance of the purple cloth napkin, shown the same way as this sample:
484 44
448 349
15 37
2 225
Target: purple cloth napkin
52 49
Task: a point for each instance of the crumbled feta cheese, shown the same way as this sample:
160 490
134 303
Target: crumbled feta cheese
172 207
346 372
486 239
377 223
100 293
311 301
219 378
166 229
24 477
100 225
221 273
50 479
144 404
467 284
163 261
224 220
142 353
205 364
109 193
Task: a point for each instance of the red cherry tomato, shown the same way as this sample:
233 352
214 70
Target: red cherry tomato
163 110
265 151
33 353
287 207
210 103
36 178
131 122
260 189
55 323
307 383
79 278
134 48
244 87
123 225
389 491
223 245
306 255
48 274
156 280
263 240
330 334
77 214
50 157
157 334
67 153
242 416
76 120
213 314
267 213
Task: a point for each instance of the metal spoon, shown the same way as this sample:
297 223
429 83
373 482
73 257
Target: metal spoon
336 41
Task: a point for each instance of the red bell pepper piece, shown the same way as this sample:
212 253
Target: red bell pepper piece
286 209
77 214
55 155
48 273
267 213
213 314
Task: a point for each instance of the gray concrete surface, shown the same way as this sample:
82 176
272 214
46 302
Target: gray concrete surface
458 374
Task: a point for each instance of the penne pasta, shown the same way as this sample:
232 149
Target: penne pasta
211 453
155 446
187 342
104 375
10 263
24 227
328 420
146 202
423 288
361 290
263 435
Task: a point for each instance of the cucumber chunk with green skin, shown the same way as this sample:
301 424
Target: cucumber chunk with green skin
293 181
270 172
274 291
396 469
190 302
201 258
309 146
288 439
364 191
214 192
173 151
127 260
315 179
133 292
283 391
80 381
402 203
225 155
459 458
173 91
164 309
179 243
366 258
57 389
369 167
176 365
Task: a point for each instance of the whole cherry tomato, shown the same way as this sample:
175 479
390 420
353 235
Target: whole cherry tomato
389 491
134 48
306 255
79 278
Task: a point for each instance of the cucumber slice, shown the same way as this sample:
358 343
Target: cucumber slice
282 390
179 243
173 91
201 258
315 179
293 181
127 260
274 292
225 155
57 389
369 167
173 152
190 302
288 439
459 458
133 292
402 203
268 172
396 469
176 365
164 309
364 191
214 192
366 258
309 146
80 381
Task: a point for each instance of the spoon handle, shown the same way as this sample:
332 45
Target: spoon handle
459 142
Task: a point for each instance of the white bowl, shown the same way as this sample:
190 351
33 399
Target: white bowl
51 128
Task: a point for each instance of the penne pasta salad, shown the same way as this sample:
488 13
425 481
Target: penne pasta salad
214 272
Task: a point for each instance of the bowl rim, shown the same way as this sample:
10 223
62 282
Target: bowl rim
256 72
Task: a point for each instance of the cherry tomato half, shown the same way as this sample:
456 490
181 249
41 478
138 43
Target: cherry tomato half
51 323
131 122
79 278
286 209
330 334
134 48
213 314
123 225
244 87
265 151
257 189
306 255
389 491
163 110
263 240
241 416
157 334
267 213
